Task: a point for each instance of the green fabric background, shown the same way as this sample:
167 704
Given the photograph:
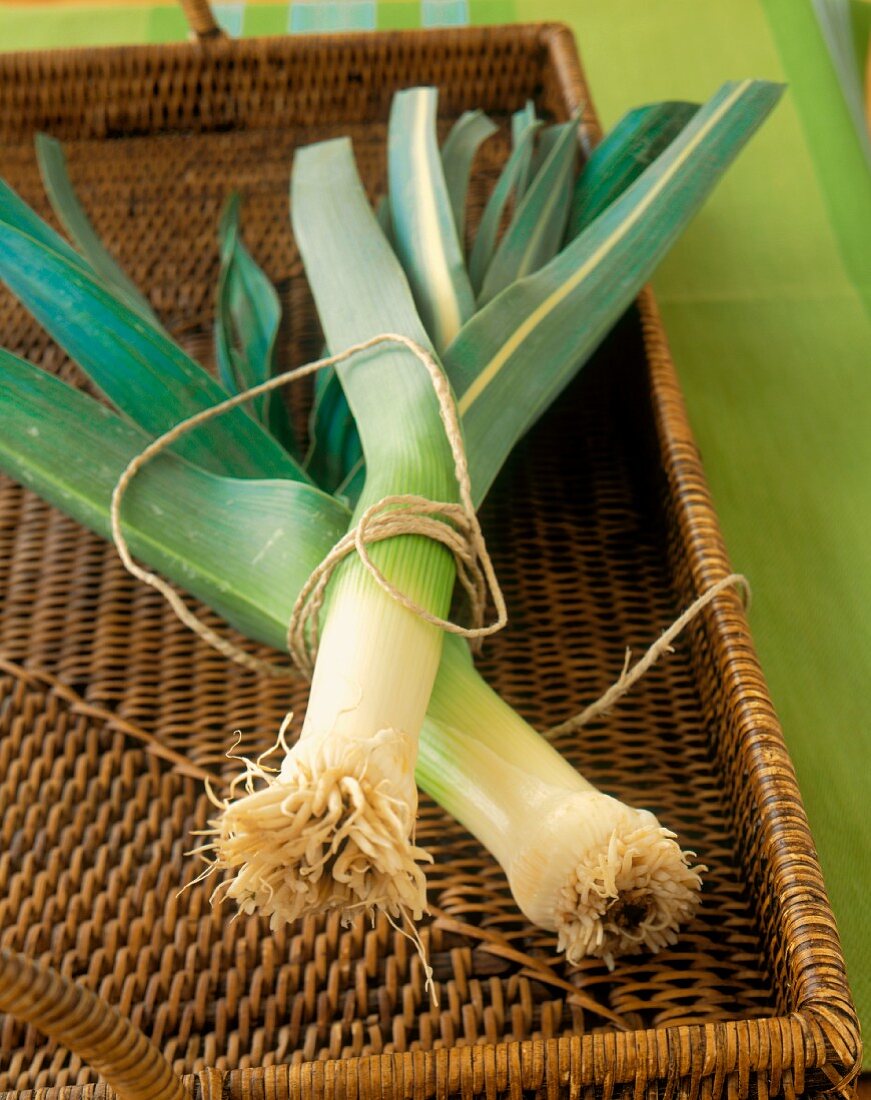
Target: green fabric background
766 300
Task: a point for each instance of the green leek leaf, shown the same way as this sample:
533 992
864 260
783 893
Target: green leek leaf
467 135
335 458
516 355
360 292
71 214
547 139
247 320
244 547
622 155
335 450
351 487
225 353
424 230
335 442
521 122
142 372
15 211
536 230
491 219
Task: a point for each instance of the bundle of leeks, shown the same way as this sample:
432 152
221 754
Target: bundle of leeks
238 515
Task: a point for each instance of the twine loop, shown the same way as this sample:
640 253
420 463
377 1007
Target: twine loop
453 524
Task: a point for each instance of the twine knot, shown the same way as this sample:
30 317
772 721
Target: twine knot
445 522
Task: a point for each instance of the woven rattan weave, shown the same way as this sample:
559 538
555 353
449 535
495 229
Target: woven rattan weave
601 530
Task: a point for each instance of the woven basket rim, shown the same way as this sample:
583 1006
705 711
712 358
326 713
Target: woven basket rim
543 32
822 1033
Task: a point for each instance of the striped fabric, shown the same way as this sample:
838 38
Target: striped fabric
24 26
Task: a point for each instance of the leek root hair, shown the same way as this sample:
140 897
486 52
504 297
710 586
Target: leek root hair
329 831
614 882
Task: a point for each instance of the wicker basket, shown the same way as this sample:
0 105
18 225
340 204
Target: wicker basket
602 529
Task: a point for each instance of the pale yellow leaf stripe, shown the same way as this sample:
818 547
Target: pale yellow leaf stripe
444 294
535 318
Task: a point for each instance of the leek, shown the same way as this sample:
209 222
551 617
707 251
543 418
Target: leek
333 830
377 662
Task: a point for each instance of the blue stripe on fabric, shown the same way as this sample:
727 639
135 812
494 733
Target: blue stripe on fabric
312 16
444 13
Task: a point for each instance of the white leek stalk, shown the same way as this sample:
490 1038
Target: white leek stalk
334 828
606 877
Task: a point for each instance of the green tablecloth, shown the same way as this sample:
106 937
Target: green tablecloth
766 301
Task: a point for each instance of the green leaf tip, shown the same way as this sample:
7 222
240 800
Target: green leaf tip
71 214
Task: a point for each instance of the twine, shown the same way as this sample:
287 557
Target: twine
454 525
630 676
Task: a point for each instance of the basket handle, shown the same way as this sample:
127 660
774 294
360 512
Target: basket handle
89 1027
200 19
